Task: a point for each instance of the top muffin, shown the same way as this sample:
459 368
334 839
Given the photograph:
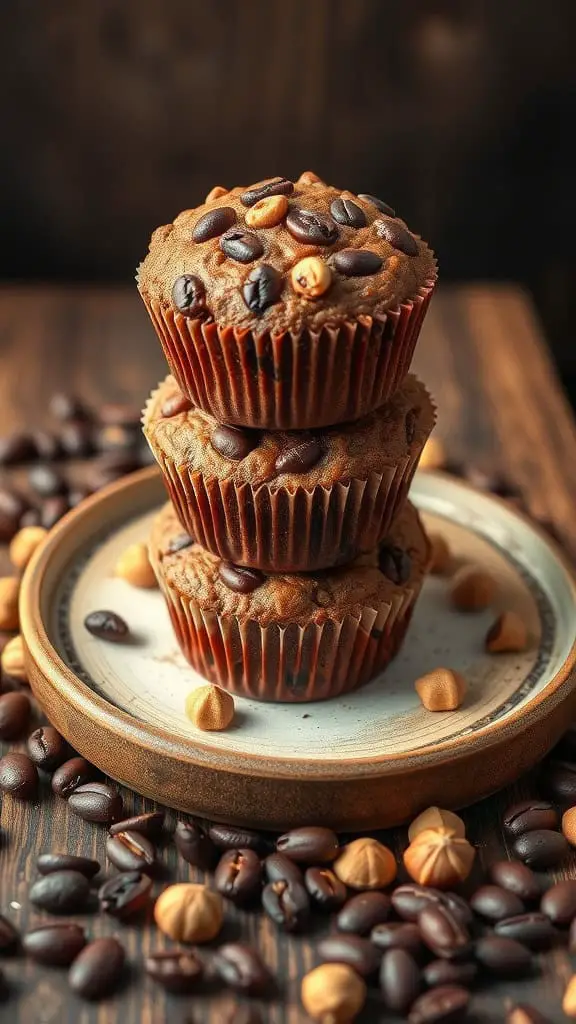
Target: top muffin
285 255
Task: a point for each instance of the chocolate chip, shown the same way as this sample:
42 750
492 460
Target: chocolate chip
309 845
71 774
395 563
439 1006
238 876
311 227
241 968
378 203
48 863
107 625
344 211
363 912
179 543
129 851
240 245
213 223
357 262
194 845
177 970
277 187
533 930
262 288
299 457
125 894
358 953
46 481
47 748
175 405
287 905
149 825
505 958
55 945
324 888
398 236
188 296
541 849
400 981
18 776
233 442
15 711
96 802
61 892
529 815
97 970
239 578
9 936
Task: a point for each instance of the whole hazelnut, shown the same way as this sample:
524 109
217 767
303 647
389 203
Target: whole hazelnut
435 817
209 708
266 213
13 659
189 912
472 589
507 635
443 689
311 277
134 567
309 178
24 544
9 590
439 858
333 993
569 825
216 193
366 864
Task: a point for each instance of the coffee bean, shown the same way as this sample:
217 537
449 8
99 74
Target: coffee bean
533 930
346 212
398 236
65 407
522 1013
52 510
400 981
97 802
62 892
129 851
449 972
47 445
47 748
559 903
277 187
76 439
16 448
242 969
357 262
107 626
9 936
541 849
517 878
278 868
18 776
505 958
177 970
311 227
125 894
228 837
363 912
48 863
529 815
71 774
97 970
442 1005
195 846
324 888
299 457
410 900
559 782
395 563
149 824
15 711
287 905
55 945
378 203
46 481
234 442
443 933
189 298
175 405
493 903
12 509
352 950
309 845
458 907
213 223
241 245
397 935
239 578
239 876
179 543
262 288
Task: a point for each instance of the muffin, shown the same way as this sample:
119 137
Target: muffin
283 637
286 502
287 305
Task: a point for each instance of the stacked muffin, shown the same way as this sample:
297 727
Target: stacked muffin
288 433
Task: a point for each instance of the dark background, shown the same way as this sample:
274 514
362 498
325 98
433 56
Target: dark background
116 114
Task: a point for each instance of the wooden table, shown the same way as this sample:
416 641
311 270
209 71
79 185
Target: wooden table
500 406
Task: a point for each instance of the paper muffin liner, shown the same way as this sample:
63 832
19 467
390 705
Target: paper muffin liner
291 381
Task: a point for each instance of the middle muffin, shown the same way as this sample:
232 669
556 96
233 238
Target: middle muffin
288 502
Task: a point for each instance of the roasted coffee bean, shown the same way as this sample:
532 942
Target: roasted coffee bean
517 878
299 457
175 405
443 933
287 905
242 969
179 543
239 876
410 900
506 958
107 626
46 481
228 837
9 936
278 868
397 935
400 980
458 907
47 748
98 969
345 211
363 912
395 563
52 510
541 849
125 894
449 972
177 970
149 824
311 227
234 442
12 509
47 445
16 448
559 782
71 774
213 223
493 903
559 903
189 298
529 815
130 851
65 407
533 930
522 1013
352 950
324 888
442 1005
76 439
239 578
62 892
48 863
241 245
309 845
398 236
15 711
55 945
357 262
262 288
97 802
18 776
378 203
195 846
276 187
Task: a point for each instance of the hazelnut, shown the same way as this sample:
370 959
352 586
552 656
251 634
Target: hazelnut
9 590
333 993
433 454
472 589
435 817
443 689
309 178
134 567
311 277
268 212
507 635
569 1000
439 858
216 193
13 659
189 912
365 864
209 708
440 556
24 544
569 825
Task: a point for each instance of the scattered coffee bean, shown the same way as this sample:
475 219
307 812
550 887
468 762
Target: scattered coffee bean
242 969
398 236
324 888
15 711
352 950
378 203
228 837
287 905
348 213
493 903
311 227
277 187
177 970
47 748
234 442
559 781
46 481
62 892
505 958
18 776
47 445
410 900
395 563
125 894
449 972
175 405
443 933
189 298
130 851
239 876
65 407
107 626
12 509
195 846
262 288
97 970
278 868
72 774
77 439
241 245
559 903
149 824
213 223
239 578
48 863
363 912
517 878
96 802
528 816
357 262
397 935
299 457
541 849
534 930
9 936
55 945
179 543
458 907
400 980
309 845
16 448
442 1005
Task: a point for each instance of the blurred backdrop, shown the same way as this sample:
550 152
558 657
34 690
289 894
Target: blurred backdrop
116 114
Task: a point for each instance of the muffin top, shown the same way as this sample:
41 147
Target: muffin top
195 441
381 576
282 255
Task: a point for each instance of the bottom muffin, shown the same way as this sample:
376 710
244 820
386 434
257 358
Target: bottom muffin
290 637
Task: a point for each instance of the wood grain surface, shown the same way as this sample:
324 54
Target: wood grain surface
500 406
